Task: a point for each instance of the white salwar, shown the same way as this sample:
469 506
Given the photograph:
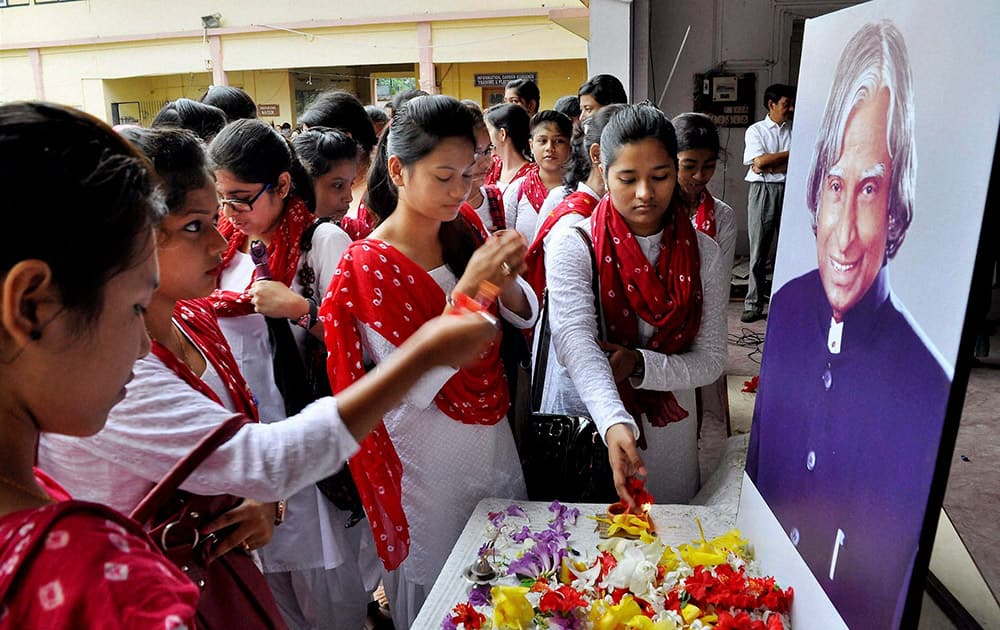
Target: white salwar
448 467
579 378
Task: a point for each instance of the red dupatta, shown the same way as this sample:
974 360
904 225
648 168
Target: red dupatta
361 226
377 286
197 320
667 295
578 202
496 167
533 188
704 219
282 253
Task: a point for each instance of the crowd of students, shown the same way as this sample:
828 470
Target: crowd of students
138 312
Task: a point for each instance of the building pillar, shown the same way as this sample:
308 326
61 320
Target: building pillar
215 54
428 79
611 43
35 55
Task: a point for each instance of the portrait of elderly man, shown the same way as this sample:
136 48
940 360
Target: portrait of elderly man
852 396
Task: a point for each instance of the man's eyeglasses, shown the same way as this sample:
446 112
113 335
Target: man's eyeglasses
243 205
486 150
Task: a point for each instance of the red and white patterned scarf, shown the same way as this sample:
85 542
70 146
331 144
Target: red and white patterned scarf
197 320
533 188
282 253
361 226
667 295
704 219
377 286
578 202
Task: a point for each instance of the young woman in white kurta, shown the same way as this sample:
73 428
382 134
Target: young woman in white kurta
551 132
425 248
163 416
638 154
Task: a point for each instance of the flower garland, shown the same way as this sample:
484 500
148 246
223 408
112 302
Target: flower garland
630 585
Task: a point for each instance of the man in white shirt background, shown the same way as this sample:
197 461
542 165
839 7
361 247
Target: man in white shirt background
766 154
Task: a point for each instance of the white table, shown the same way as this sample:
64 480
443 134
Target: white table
675 525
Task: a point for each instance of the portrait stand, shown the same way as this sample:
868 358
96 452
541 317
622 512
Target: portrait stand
869 338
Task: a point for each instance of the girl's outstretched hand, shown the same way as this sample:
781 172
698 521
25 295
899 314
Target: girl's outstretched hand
454 338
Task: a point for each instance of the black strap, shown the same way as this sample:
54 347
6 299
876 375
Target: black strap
544 334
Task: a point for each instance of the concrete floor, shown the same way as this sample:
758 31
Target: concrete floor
972 499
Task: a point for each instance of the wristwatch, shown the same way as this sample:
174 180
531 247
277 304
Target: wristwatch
279 512
309 319
639 371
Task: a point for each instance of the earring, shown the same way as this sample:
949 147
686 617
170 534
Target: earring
35 335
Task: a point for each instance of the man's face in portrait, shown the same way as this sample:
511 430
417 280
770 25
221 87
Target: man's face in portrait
853 215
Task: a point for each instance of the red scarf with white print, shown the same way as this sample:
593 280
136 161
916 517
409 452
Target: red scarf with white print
361 226
533 188
704 219
376 286
198 321
667 295
578 202
282 255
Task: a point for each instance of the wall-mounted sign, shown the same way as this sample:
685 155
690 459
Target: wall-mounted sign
268 110
500 79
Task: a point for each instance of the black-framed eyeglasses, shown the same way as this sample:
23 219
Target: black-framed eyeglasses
486 150
243 205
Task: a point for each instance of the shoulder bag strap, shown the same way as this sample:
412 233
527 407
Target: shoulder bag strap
544 335
167 487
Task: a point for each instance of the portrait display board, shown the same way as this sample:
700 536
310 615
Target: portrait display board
892 148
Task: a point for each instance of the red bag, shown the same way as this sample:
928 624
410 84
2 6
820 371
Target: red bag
234 593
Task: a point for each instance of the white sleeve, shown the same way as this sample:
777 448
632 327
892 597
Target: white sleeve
329 243
754 145
703 362
725 232
511 198
573 325
513 318
163 418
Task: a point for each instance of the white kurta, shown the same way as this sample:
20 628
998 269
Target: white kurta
519 212
448 467
318 538
586 385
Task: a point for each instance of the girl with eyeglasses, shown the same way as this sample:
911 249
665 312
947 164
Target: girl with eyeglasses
76 283
311 563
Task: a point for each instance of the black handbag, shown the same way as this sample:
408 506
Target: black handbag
563 456
302 379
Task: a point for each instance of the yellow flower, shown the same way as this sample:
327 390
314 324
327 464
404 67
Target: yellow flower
617 616
642 622
690 612
511 609
711 553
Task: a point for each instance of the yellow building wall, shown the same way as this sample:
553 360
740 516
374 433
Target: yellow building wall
555 78
17 80
264 86
112 18
504 40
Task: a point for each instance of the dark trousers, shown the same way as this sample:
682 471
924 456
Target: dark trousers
764 216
